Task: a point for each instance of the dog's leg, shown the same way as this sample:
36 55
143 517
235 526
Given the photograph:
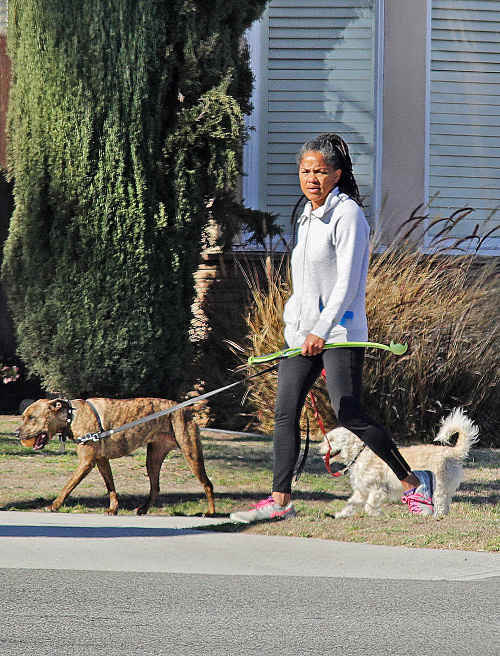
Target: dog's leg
156 454
376 498
448 480
187 435
105 470
86 463
442 498
354 505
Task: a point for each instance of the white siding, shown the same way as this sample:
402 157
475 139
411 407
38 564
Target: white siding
317 74
464 132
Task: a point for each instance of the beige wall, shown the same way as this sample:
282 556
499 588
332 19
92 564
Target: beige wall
404 112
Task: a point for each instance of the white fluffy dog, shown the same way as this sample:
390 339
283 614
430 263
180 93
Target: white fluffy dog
372 480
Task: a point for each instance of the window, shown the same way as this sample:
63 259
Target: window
464 126
315 68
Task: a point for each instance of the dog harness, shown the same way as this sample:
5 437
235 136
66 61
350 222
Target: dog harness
96 414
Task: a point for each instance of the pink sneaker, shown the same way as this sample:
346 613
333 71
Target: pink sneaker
419 500
265 509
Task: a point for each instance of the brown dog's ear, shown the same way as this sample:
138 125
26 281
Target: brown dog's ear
57 404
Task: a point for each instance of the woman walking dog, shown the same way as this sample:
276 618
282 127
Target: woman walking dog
329 266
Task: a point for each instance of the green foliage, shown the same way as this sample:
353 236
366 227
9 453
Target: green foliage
126 121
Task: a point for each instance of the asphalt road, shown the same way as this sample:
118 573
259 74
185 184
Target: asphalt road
154 586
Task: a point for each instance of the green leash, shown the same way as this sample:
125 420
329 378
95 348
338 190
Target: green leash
397 349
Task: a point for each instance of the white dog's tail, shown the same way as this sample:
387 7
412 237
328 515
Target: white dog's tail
458 422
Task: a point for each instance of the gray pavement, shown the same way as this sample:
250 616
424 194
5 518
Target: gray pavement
38 540
75 584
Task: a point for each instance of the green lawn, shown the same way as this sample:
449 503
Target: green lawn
240 469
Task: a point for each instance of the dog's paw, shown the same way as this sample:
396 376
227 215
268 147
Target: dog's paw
342 514
142 510
50 509
111 511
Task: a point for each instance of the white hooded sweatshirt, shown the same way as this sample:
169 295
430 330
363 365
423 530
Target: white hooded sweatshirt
329 268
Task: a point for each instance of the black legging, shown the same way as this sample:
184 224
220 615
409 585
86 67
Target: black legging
344 381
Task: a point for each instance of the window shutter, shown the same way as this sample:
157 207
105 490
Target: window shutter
320 78
464 135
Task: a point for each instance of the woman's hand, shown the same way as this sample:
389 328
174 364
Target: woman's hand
313 345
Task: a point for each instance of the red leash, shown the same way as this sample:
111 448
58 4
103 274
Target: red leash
323 430
316 413
327 465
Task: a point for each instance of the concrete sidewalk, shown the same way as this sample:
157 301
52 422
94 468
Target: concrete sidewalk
128 543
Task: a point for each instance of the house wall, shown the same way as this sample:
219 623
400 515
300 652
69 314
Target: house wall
434 142
315 66
404 112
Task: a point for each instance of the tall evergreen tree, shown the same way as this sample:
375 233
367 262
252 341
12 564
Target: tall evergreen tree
126 118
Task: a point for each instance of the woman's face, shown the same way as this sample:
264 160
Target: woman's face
317 178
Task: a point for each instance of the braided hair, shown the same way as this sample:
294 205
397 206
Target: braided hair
335 152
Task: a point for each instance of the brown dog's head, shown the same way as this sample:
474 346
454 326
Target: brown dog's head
41 421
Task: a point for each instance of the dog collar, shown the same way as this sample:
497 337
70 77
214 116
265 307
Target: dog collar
67 432
345 468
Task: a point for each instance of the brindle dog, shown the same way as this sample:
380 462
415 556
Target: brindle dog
44 419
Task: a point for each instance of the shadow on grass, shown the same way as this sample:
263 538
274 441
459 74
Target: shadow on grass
257 459
130 502
40 503
266 439
251 460
480 494
483 459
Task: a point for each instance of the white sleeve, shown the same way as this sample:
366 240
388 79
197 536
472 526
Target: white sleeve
351 239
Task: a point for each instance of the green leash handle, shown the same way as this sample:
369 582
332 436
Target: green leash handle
397 349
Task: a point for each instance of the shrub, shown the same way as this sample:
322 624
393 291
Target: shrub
126 120
445 305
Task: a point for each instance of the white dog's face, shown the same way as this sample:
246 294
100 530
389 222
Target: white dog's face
344 446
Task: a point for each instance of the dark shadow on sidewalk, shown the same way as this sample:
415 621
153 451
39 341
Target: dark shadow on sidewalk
92 532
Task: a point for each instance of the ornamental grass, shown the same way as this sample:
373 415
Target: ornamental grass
444 303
